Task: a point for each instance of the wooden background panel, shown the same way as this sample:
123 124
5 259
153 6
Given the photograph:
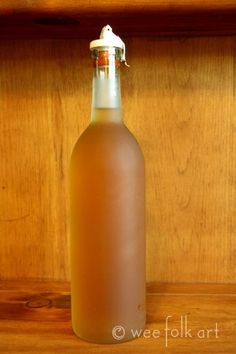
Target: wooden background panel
182 108
179 102
45 102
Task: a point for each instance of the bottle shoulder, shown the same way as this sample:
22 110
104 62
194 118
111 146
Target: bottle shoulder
109 139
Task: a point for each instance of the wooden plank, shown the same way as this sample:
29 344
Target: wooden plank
190 289
39 322
8 6
35 286
76 19
179 101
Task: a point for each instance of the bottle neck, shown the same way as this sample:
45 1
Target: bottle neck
106 98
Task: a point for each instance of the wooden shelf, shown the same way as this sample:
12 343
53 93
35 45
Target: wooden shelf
75 19
35 318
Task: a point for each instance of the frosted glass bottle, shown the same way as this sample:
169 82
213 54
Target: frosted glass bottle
107 216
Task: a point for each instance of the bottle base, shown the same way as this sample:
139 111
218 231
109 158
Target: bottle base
118 335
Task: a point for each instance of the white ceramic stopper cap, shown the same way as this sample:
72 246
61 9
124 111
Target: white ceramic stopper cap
109 39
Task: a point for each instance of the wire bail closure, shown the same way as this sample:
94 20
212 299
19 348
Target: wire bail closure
109 39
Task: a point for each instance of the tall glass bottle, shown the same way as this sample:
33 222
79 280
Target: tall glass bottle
107 212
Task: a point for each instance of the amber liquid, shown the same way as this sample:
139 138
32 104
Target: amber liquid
107 231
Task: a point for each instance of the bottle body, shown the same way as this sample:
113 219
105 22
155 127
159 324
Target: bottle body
107 232
107 216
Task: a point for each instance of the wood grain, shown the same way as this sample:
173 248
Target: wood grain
179 101
37 320
8 6
76 19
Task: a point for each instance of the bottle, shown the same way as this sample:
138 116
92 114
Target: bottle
107 211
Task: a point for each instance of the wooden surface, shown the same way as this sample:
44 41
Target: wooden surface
71 18
179 101
35 318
